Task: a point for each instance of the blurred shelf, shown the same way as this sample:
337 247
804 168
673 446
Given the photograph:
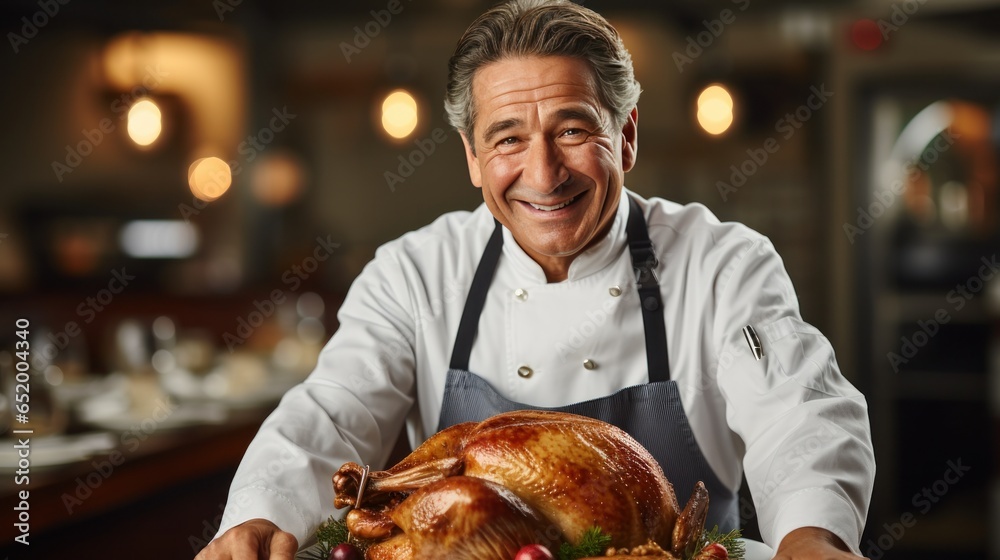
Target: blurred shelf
954 530
940 385
923 306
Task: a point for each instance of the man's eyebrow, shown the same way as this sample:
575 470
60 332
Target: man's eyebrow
571 114
567 114
498 127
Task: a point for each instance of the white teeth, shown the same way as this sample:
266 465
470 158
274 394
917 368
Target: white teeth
551 208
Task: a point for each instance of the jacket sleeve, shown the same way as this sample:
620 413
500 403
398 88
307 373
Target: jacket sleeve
351 408
809 458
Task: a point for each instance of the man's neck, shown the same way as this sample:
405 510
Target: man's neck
556 268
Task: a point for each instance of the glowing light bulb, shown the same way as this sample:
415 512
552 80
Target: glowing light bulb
715 110
144 122
277 179
399 114
209 178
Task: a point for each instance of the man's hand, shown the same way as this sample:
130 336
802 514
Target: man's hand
813 543
257 539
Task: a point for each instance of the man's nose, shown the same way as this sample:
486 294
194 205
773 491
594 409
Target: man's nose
544 170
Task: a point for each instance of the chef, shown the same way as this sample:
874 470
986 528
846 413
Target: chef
567 291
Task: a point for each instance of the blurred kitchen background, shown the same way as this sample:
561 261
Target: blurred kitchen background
189 188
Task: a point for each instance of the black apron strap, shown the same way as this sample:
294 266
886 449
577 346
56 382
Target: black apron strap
469 325
644 263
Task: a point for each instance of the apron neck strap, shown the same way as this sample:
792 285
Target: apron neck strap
644 263
469 325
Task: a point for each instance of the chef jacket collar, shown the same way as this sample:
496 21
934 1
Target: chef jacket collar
595 259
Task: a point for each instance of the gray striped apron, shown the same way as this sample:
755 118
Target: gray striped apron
651 413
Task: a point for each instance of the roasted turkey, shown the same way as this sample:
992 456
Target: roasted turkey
482 490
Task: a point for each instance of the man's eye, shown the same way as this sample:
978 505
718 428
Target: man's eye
510 141
575 135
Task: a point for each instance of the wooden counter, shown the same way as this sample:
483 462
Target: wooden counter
165 494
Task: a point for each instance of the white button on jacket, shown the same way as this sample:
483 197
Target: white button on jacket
791 420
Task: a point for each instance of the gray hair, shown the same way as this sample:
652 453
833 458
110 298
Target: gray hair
520 28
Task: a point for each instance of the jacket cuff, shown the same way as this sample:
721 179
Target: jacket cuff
253 502
816 507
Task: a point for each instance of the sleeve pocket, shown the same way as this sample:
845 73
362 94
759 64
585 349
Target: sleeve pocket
798 351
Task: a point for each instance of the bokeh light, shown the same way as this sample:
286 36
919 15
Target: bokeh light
715 109
209 178
144 122
399 114
277 179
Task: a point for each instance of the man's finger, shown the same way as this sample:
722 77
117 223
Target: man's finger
283 546
244 549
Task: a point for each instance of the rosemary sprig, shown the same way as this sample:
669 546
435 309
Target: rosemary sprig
593 543
331 533
729 540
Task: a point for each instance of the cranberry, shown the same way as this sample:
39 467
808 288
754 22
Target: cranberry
533 552
714 551
345 552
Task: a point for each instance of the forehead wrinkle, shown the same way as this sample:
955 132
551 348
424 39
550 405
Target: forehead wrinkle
537 93
582 86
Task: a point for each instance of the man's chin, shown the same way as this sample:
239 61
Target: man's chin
558 250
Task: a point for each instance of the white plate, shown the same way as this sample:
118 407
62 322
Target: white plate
757 550
216 388
50 451
179 416
111 410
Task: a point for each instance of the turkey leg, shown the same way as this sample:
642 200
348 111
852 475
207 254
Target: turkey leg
433 460
691 523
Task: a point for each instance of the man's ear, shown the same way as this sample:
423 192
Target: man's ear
630 140
475 174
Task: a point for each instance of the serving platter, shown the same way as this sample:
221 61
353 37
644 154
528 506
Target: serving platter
755 550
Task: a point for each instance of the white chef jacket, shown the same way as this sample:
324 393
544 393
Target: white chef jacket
791 420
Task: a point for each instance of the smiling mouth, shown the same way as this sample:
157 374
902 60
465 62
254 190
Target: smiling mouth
552 208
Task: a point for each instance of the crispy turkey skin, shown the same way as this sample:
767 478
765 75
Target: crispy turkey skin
481 490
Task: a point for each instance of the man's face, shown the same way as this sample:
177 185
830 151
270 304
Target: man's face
548 157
